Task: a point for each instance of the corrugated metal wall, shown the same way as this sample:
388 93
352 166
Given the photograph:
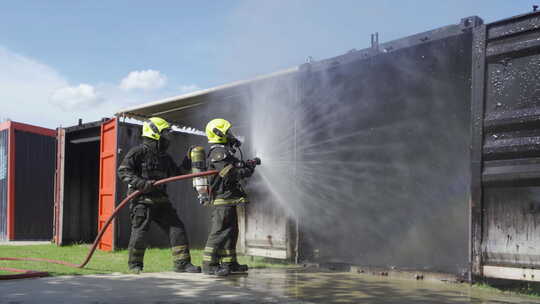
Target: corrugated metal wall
506 147
3 183
34 185
384 156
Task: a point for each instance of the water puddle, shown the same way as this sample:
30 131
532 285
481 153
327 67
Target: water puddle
332 287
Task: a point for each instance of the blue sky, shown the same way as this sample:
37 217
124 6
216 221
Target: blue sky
68 59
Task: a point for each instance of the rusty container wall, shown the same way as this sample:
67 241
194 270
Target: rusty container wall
35 155
390 126
3 183
506 149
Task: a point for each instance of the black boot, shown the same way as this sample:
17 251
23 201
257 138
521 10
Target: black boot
223 270
209 268
235 267
135 270
186 267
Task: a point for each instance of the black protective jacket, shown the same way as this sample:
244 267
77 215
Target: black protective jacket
226 188
145 162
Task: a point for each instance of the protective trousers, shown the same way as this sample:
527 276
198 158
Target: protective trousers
221 244
164 215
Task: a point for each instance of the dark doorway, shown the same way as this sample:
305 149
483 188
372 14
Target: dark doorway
81 180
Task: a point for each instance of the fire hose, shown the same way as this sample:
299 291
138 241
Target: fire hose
33 274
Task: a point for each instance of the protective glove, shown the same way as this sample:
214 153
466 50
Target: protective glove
251 166
147 186
244 169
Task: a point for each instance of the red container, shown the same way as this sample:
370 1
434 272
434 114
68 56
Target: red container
27 155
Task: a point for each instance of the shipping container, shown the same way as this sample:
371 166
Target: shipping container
505 204
27 156
88 188
395 141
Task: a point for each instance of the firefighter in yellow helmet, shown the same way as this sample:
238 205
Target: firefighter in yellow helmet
226 193
140 168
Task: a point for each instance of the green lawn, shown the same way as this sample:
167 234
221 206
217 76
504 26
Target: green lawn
531 289
155 259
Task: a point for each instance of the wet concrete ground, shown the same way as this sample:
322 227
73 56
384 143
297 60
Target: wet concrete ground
260 286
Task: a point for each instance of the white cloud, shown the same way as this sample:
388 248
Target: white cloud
25 87
146 80
35 93
83 96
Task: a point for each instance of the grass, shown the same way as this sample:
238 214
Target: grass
155 260
519 288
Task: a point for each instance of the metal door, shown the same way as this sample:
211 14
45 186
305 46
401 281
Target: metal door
505 202
266 230
107 182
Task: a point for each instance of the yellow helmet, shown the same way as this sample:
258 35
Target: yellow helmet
153 127
222 126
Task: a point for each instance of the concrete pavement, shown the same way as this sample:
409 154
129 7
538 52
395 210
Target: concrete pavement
260 286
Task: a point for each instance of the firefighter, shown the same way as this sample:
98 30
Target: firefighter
140 168
220 251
